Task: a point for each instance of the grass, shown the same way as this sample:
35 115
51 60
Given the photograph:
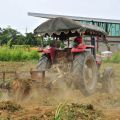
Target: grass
18 54
76 111
114 59
25 53
58 112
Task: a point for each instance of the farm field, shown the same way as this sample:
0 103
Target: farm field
67 105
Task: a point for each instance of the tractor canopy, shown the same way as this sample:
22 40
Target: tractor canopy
93 29
56 26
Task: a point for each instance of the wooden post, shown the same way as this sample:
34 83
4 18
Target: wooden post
16 75
3 76
43 77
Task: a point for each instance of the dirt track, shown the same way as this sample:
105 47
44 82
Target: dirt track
108 104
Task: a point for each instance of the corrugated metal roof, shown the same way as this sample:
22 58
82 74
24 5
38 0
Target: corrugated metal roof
48 16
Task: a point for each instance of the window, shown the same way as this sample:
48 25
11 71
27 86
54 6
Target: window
113 29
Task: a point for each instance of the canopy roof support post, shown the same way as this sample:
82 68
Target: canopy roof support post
93 43
68 42
42 43
97 43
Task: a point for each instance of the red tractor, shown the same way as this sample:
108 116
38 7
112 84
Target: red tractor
76 62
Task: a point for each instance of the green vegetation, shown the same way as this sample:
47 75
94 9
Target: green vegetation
15 46
10 37
58 112
18 54
114 59
76 111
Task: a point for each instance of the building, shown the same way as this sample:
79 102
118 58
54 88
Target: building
112 27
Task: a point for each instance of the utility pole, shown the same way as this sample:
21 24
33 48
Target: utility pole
26 30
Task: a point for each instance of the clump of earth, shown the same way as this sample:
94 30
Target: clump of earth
73 111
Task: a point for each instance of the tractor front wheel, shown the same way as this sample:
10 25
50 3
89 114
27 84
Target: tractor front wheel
108 83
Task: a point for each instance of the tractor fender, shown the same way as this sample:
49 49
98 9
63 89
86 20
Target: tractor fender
78 49
51 52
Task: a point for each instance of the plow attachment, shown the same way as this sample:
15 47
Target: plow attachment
18 85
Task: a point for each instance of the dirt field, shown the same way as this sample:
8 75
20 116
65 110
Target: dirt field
44 104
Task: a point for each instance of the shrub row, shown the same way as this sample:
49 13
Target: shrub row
17 54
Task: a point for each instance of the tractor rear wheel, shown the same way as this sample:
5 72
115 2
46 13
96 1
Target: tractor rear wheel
85 73
108 84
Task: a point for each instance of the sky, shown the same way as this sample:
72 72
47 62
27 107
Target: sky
14 12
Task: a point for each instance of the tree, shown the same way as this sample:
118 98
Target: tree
8 34
30 39
13 37
20 40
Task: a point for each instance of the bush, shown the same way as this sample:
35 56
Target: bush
34 55
116 58
17 54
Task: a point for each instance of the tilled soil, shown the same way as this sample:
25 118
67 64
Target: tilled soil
60 105
73 111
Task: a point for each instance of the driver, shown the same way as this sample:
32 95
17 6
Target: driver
78 42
